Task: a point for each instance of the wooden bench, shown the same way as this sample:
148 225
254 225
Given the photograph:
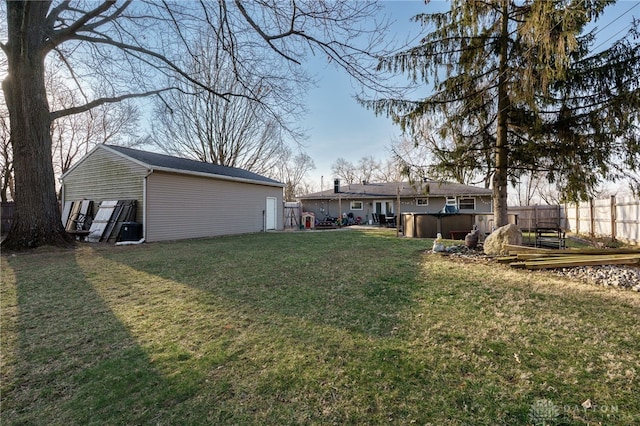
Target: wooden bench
458 235
550 236
79 234
326 224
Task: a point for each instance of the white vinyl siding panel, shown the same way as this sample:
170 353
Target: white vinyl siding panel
106 176
181 206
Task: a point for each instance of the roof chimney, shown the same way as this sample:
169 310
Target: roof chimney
336 185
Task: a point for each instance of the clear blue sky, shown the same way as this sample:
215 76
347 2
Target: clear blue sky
338 127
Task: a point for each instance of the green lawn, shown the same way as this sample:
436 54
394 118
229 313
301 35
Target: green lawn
346 327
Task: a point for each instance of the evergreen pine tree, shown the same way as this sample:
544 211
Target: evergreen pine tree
515 91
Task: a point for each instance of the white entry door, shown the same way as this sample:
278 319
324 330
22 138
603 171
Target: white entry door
271 213
384 207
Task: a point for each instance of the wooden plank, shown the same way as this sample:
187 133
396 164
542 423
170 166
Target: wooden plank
579 257
565 257
66 211
131 211
101 220
72 222
531 256
127 214
507 259
84 218
115 216
586 261
515 250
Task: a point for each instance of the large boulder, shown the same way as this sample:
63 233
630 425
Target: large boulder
508 234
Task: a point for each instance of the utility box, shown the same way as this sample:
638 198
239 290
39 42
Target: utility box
130 231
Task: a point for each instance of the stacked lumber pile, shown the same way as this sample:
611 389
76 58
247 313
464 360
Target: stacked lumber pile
538 258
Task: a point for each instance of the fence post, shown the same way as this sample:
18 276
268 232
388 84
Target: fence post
592 219
398 212
613 217
577 218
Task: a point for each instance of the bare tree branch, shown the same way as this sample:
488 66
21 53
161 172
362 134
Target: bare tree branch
269 39
70 32
162 58
101 101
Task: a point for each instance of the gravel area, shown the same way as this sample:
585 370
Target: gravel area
619 276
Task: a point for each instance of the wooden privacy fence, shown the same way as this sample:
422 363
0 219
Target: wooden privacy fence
292 213
6 210
531 217
615 218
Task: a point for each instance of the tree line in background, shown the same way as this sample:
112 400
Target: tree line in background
518 96
368 169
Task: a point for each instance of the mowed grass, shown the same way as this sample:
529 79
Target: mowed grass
347 327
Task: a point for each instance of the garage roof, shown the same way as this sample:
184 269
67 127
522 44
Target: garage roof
168 163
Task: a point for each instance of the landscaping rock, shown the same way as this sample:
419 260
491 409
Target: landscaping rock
471 239
438 247
620 276
508 234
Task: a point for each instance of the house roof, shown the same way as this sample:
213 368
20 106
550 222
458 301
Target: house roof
168 163
406 189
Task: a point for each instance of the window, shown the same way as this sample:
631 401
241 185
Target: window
422 201
467 203
356 205
451 201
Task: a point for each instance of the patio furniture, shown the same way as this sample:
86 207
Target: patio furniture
390 221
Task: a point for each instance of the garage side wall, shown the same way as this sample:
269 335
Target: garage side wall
181 206
106 176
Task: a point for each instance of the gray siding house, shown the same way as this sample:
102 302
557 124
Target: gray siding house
363 200
177 198
422 209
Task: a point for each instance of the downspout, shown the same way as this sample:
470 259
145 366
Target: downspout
144 204
144 215
62 195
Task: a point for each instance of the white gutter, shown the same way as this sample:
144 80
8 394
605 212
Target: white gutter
144 205
62 199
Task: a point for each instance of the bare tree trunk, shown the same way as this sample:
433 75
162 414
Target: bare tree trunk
36 219
500 216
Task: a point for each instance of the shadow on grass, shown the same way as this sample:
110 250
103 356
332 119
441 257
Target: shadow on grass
359 283
71 360
328 306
